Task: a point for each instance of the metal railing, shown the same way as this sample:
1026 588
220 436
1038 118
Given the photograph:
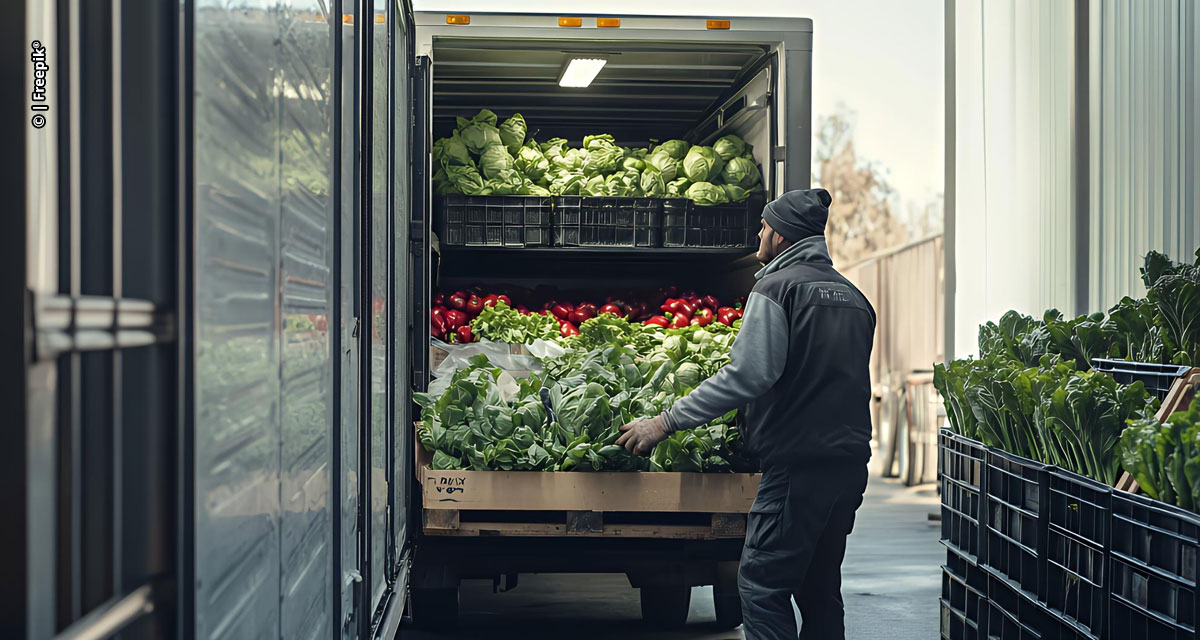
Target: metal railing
906 285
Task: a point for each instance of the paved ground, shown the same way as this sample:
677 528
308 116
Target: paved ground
891 587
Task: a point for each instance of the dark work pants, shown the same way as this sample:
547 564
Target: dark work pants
795 542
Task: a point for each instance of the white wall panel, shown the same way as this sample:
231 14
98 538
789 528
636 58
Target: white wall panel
1145 139
1014 173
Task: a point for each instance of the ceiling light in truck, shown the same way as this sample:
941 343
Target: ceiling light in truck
579 72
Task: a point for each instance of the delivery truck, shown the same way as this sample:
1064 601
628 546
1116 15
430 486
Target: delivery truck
221 267
662 78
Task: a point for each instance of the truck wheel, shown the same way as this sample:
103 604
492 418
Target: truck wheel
434 608
726 600
666 607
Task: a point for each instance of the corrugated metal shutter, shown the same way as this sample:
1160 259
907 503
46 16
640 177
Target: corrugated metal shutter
1145 139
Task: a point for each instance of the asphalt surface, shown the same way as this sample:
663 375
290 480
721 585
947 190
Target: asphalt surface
891 584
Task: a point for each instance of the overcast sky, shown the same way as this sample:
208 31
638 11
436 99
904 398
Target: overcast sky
881 58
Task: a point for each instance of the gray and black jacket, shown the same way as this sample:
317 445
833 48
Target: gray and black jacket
799 368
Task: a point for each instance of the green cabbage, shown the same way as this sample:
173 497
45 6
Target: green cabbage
740 172
596 186
735 193
702 164
678 187
531 189
600 141
478 136
729 147
666 164
512 133
464 180
553 148
652 184
675 148
707 194
495 160
454 152
508 183
633 163
602 160
532 163
566 183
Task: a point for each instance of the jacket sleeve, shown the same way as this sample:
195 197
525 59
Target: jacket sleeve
756 362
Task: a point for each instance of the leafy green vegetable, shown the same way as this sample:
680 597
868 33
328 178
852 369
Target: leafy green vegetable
512 133
742 173
665 163
531 162
504 324
612 373
730 147
1174 290
702 164
675 148
495 160
479 132
707 194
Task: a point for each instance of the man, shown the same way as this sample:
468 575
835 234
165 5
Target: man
799 367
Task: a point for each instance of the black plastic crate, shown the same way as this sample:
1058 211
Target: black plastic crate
735 225
1016 490
956 625
1158 378
1080 507
969 572
1013 615
1153 567
1076 584
961 464
963 606
582 221
496 221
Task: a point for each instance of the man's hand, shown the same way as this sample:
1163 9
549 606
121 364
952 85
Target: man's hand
640 436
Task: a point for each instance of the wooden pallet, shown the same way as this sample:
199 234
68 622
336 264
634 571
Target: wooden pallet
581 524
1179 398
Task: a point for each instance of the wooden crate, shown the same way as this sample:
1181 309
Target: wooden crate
692 506
1179 398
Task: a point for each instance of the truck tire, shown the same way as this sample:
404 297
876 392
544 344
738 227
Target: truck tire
727 602
666 607
433 609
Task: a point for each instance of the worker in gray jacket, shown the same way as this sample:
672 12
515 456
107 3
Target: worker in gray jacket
799 374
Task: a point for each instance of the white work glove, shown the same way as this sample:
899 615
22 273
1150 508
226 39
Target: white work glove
640 436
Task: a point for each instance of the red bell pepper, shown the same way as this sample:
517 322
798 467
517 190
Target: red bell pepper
567 330
457 302
581 315
658 321
464 334
562 311
490 300
739 302
439 299
703 317
506 300
726 316
455 319
670 306
462 294
590 306
474 305
522 310
679 321
685 308
437 327
613 309
711 302
740 313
